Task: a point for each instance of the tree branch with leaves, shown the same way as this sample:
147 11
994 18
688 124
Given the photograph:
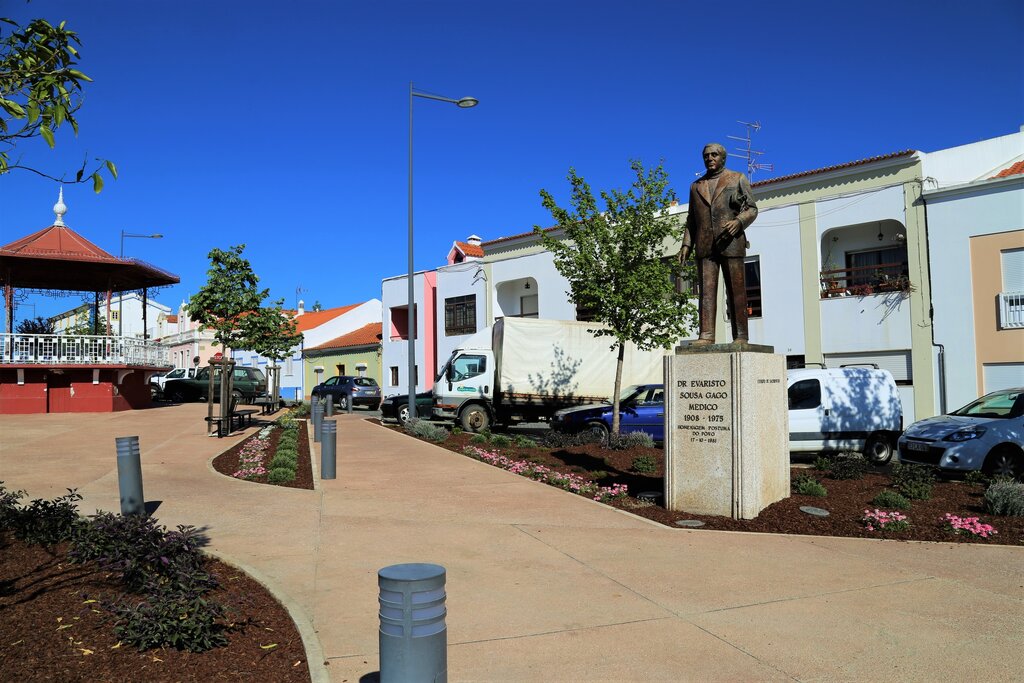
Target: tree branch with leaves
40 91
616 262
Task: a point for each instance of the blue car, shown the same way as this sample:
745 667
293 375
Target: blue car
641 409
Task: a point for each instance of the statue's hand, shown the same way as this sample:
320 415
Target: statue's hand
684 254
733 227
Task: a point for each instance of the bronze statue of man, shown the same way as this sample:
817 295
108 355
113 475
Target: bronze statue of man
721 207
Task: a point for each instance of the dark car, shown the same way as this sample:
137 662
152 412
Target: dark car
247 384
342 389
397 407
641 409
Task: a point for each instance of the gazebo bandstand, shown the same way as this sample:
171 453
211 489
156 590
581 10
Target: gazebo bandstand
64 373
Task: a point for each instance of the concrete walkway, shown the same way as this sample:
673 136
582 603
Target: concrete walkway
544 585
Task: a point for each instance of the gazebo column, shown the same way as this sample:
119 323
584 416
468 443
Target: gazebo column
145 305
108 312
96 313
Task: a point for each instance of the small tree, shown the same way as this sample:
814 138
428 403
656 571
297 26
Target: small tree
40 90
230 304
616 265
37 325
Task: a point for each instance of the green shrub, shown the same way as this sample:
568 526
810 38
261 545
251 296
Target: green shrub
284 462
822 463
807 485
281 475
645 464
287 448
8 505
1005 497
426 429
848 467
301 410
456 430
45 522
479 438
523 441
288 436
913 481
976 478
180 618
500 441
891 500
624 442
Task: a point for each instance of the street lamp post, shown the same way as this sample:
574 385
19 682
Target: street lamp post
463 103
120 307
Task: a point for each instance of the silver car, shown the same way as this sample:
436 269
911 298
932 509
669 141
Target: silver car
986 435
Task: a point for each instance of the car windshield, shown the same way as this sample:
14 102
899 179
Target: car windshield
365 382
998 405
629 393
258 375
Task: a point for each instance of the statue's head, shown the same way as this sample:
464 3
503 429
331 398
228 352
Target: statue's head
714 157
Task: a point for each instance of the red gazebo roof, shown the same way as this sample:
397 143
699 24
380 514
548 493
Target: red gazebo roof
59 258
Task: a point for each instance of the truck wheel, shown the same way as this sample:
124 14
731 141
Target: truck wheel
402 413
878 449
599 431
1004 460
474 418
175 396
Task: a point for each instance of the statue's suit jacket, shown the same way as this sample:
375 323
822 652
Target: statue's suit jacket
733 199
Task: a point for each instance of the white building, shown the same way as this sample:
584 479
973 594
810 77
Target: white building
837 273
125 315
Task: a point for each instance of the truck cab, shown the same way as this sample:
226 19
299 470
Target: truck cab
463 390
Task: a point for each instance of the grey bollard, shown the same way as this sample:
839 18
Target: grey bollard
129 475
317 415
413 634
348 405
329 407
328 449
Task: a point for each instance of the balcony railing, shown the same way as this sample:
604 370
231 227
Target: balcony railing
80 349
1011 310
863 280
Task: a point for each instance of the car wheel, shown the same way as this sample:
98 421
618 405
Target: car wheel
474 418
343 402
599 431
878 449
1004 461
402 413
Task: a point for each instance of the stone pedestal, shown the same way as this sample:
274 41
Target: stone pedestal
726 432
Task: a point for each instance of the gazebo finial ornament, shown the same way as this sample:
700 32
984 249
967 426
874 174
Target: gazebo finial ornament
60 208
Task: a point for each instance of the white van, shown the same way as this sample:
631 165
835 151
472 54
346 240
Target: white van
159 381
844 409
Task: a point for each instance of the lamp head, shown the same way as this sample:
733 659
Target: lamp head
467 102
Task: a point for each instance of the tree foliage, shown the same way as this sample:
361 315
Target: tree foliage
616 262
231 305
37 325
40 91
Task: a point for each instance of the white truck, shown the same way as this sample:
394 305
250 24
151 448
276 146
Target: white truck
524 369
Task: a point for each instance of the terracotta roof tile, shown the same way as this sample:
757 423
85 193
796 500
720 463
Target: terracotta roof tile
312 319
826 169
1014 169
58 242
172 318
364 336
470 249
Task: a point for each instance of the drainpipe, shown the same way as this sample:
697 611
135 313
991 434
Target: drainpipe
931 306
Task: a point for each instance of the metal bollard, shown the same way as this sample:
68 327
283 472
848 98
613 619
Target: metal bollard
129 475
328 449
348 405
413 634
329 407
317 416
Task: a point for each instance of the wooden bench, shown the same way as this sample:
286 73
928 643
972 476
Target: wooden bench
267 405
226 425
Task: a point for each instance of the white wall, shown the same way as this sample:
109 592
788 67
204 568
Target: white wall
395 292
552 288
460 279
862 207
876 322
953 218
974 161
775 238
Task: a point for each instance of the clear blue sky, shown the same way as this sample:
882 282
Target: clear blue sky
284 125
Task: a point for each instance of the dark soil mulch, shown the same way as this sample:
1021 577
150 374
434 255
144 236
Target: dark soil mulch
227 462
846 500
50 632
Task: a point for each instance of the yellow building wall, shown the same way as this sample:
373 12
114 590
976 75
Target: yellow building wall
992 344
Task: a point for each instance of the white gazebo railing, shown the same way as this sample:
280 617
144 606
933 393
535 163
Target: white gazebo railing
80 349
1011 310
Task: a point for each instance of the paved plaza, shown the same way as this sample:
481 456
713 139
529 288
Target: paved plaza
544 585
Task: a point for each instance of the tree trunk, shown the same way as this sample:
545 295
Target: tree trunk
618 388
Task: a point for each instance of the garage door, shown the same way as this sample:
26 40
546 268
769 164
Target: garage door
1003 376
896 362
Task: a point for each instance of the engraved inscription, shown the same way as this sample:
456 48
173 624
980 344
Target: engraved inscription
702 410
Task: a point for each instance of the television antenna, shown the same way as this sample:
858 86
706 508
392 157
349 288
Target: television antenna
751 155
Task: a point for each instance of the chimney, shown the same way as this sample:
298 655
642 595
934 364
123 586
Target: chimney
473 240
301 307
